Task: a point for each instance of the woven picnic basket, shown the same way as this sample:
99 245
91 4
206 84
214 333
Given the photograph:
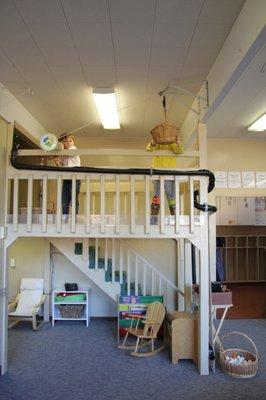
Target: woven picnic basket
165 132
247 370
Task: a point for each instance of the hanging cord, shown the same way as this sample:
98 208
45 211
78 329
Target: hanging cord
119 171
164 109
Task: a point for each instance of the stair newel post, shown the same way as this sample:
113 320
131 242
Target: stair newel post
117 204
73 204
96 253
177 206
105 254
15 203
191 204
120 263
147 204
44 203
102 196
162 207
29 203
113 260
136 276
128 273
132 204
88 205
59 204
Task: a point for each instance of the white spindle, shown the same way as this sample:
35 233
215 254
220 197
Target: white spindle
147 204
136 276
177 207
102 197
87 205
73 204
59 204
162 207
44 203
152 282
113 260
120 264
125 205
93 203
15 204
29 204
144 279
128 273
132 204
85 249
105 254
117 204
96 253
191 205
160 286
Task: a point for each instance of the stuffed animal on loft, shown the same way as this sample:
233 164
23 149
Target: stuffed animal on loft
165 136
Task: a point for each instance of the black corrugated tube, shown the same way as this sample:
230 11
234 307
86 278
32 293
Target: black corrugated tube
130 171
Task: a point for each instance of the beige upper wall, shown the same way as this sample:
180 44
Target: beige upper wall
231 155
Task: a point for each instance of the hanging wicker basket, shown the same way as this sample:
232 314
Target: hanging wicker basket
165 133
243 370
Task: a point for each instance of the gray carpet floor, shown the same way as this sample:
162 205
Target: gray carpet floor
71 361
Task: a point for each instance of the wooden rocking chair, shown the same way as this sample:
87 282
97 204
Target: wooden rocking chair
146 335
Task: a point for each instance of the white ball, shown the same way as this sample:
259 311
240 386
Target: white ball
48 142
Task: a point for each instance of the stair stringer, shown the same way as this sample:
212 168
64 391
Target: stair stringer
96 276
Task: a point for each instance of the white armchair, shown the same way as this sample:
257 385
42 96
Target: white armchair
28 302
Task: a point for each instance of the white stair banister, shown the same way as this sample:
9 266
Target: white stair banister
73 204
105 254
96 253
120 263
59 204
113 260
117 204
29 203
15 203
128 273
44 203
191 204
88 205
162 206
136 277
147 204
177 206
144 279
132 204
102 201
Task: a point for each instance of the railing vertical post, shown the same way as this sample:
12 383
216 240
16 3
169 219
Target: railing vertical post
132 204
147 204
29 204
162 207
85 249
44 203
15 204
102 201
117 204
177 205
128 273
105 254
191 204
73 205
120 263
144 279
113 260
87 205
136 276
59 204
96 253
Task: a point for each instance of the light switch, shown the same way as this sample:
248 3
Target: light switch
12 263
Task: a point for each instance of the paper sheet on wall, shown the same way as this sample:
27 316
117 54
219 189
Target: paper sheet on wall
220 179
261 180
260 211
248 179
234 179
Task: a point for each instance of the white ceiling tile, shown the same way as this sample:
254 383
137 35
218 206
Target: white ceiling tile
185 11
130 56
201 57
210 35
96 56
91 34
194 72
220 11
51 34
59 56
35 11
68 73
132 11
9 18
131 74
100 76
168 56
172 35
133 88
132 34
165 73
86 10
8 73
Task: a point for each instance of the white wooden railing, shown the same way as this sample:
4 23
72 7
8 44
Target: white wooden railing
110 205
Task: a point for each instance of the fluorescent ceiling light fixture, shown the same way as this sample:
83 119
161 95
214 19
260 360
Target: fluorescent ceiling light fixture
259 125
105 101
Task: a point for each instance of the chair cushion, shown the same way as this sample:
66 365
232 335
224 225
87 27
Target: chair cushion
28 299
31 284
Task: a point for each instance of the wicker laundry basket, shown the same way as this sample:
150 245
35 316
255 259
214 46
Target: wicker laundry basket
70 310
165 132
247 370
